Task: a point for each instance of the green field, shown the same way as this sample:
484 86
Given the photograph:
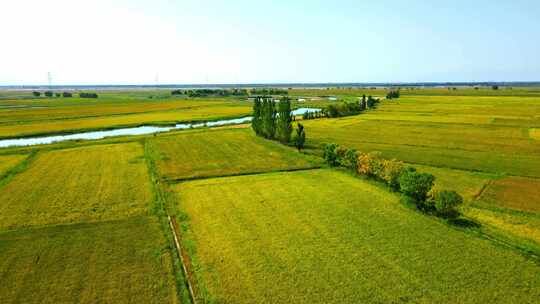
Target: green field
223 152
83 184
109 262
326 237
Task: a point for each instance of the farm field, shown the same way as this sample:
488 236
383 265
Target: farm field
199 154
322 236
117 121
8 162
101 182
252 211
108 262
491 134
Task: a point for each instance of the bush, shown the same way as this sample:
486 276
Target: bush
57 94
36 94
67 94
416 185
446 202
49 93
349 160
330 154
391 171
370 164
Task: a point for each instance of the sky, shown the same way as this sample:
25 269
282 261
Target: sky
237 41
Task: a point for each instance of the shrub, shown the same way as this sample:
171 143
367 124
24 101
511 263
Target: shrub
36 94
446 202
330 155
370 164
391 171
416 185
349 160
57 94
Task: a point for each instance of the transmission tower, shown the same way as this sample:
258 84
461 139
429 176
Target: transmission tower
49 78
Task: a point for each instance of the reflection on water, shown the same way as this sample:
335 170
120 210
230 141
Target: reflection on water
31 141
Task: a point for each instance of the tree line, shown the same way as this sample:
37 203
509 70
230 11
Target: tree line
416 186
276 124
345 109
393 94
211 92
51 94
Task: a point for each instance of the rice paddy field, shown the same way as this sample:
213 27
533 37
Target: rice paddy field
122 261
258 221
101 182
326 237
222 153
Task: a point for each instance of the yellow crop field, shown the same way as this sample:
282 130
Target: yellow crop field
9 161
110 262
83 184
223 152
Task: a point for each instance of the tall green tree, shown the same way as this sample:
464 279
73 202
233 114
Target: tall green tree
268 118
300 138
256 122
284 121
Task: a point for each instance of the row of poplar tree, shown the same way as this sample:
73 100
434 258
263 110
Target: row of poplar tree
272 123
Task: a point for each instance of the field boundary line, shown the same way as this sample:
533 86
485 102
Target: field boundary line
478 195
188 179
172 224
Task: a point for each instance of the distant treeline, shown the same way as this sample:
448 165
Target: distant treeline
345 109
229 92
211 92
64 94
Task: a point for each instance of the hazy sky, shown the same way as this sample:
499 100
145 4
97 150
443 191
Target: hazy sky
236 41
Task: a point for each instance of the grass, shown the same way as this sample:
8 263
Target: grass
223 152
110 262
92 183
322 236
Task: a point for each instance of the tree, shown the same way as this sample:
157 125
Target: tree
300 138
36 94
268 118
49 93
284 121
446 202
57 94
330 155
256 122
495 87
67 94
416 185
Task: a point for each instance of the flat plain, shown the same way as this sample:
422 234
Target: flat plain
86 221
